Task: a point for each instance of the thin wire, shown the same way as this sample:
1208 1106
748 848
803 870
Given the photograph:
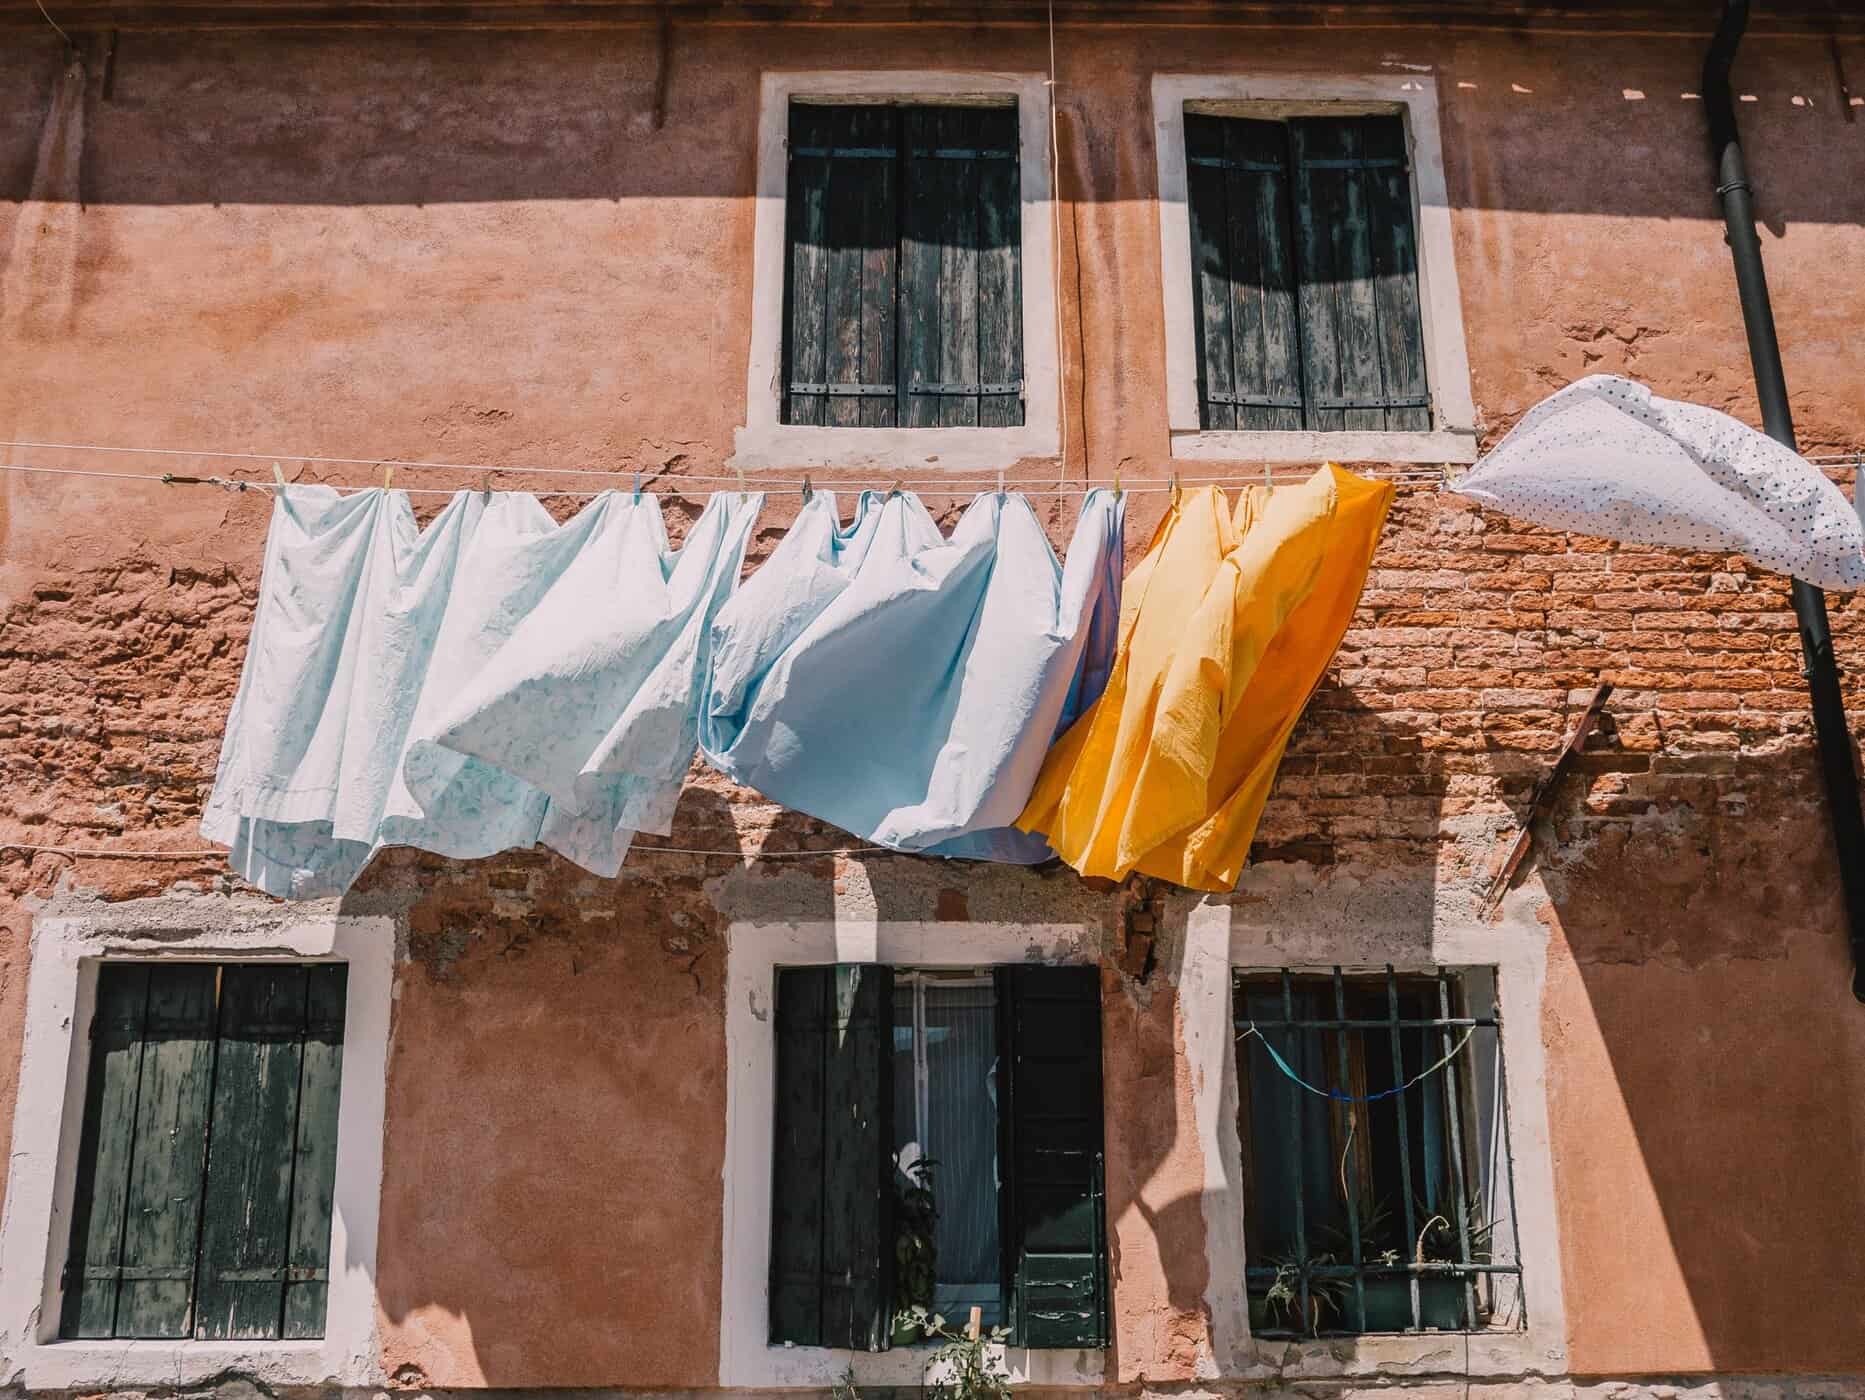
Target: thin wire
220 853
54 23
400 463
1336 1095
930 487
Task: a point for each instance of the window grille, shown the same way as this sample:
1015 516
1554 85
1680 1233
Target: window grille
1378 1194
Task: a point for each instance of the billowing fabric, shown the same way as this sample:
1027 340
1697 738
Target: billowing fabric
1607 457
1226 628
904 686
494 681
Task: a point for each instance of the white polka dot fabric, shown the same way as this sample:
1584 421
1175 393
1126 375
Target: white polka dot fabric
1607 457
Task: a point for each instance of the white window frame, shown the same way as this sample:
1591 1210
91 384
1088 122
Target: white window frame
764 441
1453 434
1222 941
61 997
754 952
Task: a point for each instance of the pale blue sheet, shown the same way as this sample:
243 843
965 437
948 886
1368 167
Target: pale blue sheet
904 686
494 681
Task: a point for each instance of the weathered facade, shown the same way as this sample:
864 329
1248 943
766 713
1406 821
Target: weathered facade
531 237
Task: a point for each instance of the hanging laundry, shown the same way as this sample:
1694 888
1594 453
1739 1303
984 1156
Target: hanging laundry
494 681
1228 624
1607 457
904 686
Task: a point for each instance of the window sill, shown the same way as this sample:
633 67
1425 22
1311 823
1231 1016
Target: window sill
1496 1352
1448 445
103 1364
821 1367
765 446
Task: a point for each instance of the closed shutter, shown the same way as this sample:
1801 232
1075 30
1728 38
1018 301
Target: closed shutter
839 291
1363 358
1249 362
247 1278
208 1141
903 289
1305 270
961 269
832 1252
1053 1201
136 1207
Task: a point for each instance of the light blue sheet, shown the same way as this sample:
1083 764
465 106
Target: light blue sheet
904 686
494 681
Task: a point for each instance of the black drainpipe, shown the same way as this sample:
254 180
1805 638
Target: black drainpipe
1764 353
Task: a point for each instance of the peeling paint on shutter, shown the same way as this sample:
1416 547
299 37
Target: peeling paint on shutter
961 268
208 1138
1054 1208
247 1209
162 1222
839 292
314 1170
104 1151
832 1190
1249 361
1357 266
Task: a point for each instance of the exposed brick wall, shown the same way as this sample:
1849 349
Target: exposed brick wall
1478 642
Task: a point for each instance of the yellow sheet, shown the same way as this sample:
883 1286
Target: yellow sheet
1226 628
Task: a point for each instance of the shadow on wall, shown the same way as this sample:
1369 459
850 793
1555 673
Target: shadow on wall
1707 1067
414 118
1287 911
555 1124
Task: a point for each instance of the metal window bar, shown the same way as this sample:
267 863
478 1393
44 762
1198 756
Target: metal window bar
1467 1268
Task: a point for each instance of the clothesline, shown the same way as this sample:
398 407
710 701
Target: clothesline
931 486
1855 457
220 852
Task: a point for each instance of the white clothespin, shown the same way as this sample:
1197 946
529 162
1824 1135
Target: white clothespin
1269 478
1000 483
388 475
743 495
278 476
637 487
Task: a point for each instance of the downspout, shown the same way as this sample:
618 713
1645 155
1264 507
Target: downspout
1833 739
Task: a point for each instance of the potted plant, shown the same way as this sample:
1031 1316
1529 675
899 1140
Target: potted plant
916 1253
1279 1307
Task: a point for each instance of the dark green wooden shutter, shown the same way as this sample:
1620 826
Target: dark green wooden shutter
1249 344
961 323
1363 363
839 289
105 1148
1049 1119
162 1223
208 1140
265 1114
832 1250
314 1168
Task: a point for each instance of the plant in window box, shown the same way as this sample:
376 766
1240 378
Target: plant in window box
916 1252
966 1365
1279 1307
1440 1241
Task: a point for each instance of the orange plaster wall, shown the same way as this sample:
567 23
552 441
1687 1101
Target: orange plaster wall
479 246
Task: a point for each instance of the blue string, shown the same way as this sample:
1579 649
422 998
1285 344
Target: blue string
1335 1094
